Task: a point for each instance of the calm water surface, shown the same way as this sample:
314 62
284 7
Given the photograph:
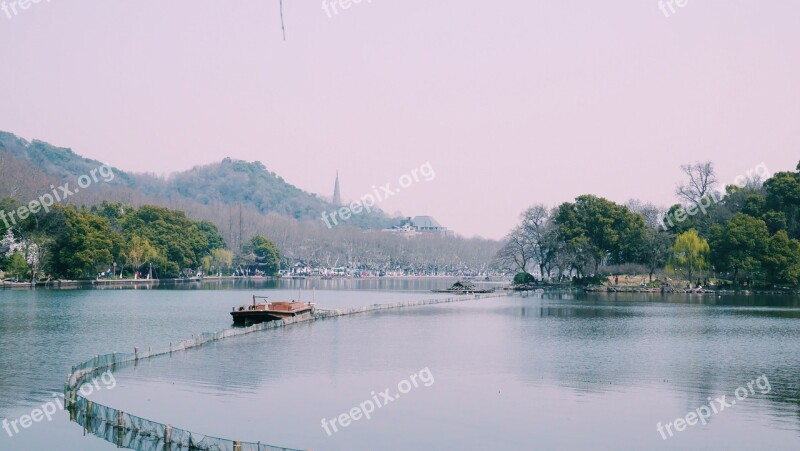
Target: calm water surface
553 371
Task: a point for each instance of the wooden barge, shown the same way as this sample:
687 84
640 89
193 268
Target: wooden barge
269 311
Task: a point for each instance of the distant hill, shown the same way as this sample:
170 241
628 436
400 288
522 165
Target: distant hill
28 168
234 181
243 199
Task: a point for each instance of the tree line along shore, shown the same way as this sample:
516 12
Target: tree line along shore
111 241
744 236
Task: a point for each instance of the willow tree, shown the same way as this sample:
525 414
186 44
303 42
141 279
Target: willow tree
690 254
139 252
219 260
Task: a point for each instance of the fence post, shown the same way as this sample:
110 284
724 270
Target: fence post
120 424
88 416
71 402
136 354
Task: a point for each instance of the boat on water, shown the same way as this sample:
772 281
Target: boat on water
270 311
465 287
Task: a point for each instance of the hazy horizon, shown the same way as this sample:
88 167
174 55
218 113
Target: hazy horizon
567 99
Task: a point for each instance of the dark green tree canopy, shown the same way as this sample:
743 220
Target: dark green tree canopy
264 255
81 243
600 229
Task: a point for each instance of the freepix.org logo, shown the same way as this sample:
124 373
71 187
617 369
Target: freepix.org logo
424 172
48 409
60 194
377 401
333 7
715 406
669 7
12 8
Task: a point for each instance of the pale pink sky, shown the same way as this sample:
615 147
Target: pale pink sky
513 103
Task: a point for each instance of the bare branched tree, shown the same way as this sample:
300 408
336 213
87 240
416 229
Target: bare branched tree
516 253
653 215
541 234
702 180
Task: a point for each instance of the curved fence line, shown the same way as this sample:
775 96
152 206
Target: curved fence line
129 431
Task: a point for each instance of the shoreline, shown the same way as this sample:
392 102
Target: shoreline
72 284
666 290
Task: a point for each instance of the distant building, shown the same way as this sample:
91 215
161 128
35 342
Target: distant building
427 224
405 228
419 224
337 195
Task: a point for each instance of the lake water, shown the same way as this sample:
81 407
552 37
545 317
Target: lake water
550 371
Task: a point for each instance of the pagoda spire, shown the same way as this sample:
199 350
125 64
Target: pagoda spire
337 196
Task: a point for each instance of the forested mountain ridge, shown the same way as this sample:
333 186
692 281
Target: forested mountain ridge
60 163
242 200
30 167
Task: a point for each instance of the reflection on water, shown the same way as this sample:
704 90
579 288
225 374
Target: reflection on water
585 356
361 284
556 371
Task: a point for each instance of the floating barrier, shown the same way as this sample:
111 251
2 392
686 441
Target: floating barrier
129 431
